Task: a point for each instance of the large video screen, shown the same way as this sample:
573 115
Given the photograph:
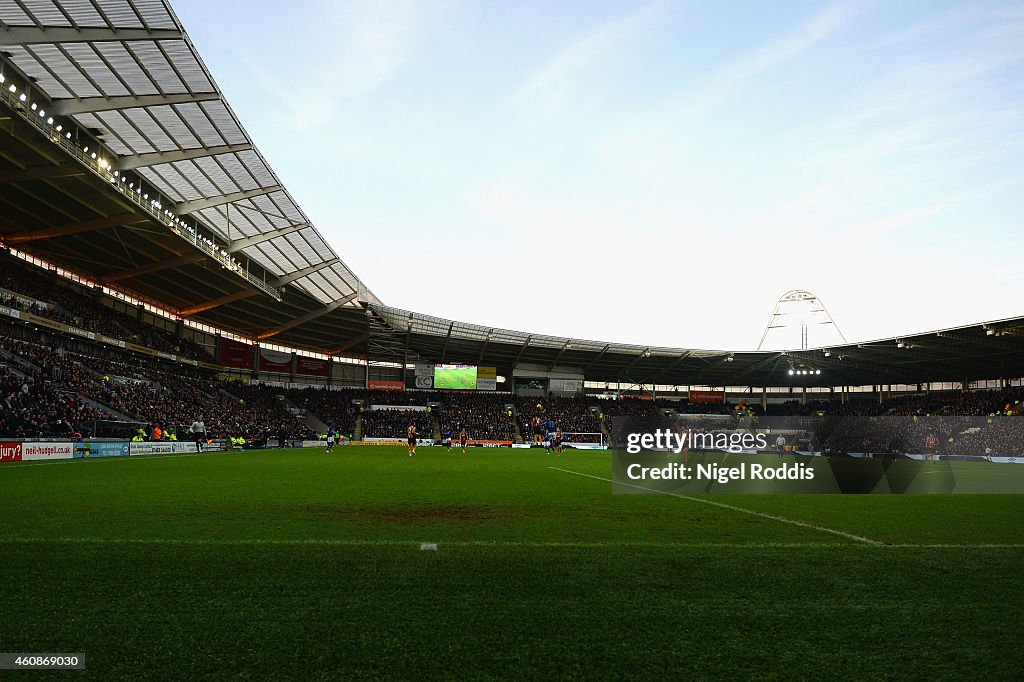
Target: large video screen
457 377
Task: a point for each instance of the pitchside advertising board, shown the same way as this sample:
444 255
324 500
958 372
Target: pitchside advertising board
27 452
10 452
30 452
169 448
44 451
101 449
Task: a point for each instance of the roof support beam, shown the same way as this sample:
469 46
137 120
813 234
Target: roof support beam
213 303
33 35
155 158
299 274
405 353
447 338
89 105
645 353
246 242
75 228
987 342
209 202
354 341
566 346
596 358
307 317
153 267
483 348
667 368
702 377
41 172
774 357
519 355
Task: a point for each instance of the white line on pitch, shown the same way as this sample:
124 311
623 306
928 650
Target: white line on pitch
321 542
773 517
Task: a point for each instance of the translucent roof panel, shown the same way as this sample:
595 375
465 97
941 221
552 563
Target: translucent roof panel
127 70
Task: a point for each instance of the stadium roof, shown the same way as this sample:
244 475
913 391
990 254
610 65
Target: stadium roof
982 351
127 75
121 160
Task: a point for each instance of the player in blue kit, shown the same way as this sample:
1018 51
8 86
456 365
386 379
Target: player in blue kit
552 428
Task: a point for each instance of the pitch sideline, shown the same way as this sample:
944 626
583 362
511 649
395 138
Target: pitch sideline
723 505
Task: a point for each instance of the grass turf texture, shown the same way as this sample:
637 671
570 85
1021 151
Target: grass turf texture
300 564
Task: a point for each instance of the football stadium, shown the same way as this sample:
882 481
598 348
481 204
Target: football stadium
222 455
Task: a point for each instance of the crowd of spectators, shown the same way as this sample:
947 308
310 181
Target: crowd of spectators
484 416
631 415
571 415
33 407
393 423
68 303
139 391
935 435
952 402
331 406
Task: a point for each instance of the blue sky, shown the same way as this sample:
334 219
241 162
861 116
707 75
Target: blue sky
654 173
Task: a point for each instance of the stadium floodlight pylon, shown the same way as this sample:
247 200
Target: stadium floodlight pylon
800 309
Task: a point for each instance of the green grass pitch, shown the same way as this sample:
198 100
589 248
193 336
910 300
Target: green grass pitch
299 564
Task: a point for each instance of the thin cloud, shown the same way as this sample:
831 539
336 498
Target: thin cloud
352 49
548 85
798 41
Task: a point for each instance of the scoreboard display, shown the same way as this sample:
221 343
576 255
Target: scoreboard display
455 377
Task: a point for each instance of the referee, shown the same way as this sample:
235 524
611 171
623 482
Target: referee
198 430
